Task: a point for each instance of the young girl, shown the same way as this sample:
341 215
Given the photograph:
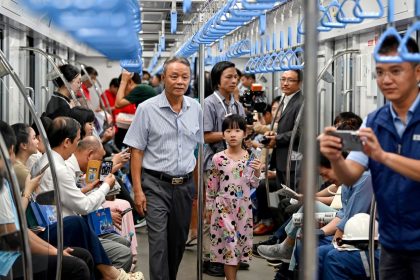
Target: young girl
228 199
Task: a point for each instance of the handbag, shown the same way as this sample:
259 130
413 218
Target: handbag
336 202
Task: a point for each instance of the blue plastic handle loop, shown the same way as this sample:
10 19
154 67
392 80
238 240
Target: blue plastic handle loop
262 45
274 47
277 61
391 31
281 40
295 61
327 19
298 36
270 62
162 43
358 11
256 48
221 45
285 59
341 16
174 19
263 23
248 65
186 7
300 30
403 51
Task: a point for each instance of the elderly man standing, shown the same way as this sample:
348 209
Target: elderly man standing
163 136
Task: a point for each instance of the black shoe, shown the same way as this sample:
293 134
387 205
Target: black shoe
215 269
243 266
271 241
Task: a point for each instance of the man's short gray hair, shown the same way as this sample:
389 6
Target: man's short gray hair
174 59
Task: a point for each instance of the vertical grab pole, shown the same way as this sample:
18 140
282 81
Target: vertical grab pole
309 268
201 79
15 192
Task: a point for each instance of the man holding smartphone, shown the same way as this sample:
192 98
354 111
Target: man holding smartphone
288 111
391 150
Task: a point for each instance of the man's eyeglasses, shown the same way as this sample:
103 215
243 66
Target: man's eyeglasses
290 81
393 73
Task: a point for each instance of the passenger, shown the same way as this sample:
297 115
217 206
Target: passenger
163 136
130 92
90 148
61 100
111 95
289 108
355 199
228 202
43 254
46 122
157 83
216 107
86 119
86 84
64 135
26 145
145 77
246 82
390 137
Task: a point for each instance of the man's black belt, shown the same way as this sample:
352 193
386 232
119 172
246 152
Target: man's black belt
174 180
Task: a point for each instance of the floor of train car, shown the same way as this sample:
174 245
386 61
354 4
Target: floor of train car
258 267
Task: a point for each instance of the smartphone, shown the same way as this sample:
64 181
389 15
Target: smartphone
350 139
106 168
265 141
126 211
43 169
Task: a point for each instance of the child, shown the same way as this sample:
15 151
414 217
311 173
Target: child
228 198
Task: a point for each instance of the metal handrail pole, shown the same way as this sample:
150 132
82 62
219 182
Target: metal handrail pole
27 258
201 79
309 268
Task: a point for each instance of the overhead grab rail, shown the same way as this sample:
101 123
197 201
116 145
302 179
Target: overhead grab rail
15 192
28 101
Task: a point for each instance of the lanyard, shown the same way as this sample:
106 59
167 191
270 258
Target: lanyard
223 103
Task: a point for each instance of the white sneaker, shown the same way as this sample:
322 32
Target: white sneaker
279 252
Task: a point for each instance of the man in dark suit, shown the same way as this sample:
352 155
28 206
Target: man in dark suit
289 107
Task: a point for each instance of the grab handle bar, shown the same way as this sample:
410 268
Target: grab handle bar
391 31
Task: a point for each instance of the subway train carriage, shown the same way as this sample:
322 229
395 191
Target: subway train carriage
209 139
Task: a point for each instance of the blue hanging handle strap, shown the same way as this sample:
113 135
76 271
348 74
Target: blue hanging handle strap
174 19
321 27
403 50
162 42
263 23
300 30
358 11
186 7
327 19
390 31
298 36
341 16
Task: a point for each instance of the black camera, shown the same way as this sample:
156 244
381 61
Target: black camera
249 117
254 99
